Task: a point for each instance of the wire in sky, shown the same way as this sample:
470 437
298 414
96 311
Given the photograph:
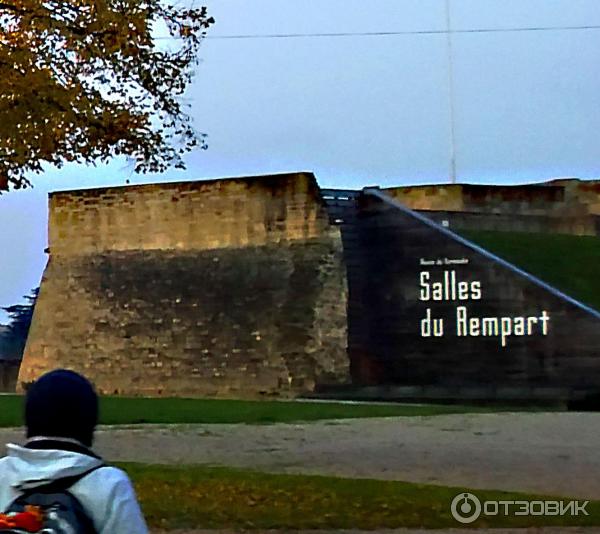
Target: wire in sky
411 32
390 33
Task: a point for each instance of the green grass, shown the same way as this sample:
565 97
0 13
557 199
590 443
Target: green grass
121 410
218 497
569 263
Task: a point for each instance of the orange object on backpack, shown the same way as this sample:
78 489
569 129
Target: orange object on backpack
31 520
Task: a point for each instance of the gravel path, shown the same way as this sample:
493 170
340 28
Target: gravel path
551 453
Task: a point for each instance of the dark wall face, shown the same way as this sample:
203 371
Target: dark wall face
9 370
431 311
226 322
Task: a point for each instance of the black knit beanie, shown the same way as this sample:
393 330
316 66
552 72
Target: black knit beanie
63 404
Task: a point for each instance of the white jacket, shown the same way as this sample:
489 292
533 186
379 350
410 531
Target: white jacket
106 494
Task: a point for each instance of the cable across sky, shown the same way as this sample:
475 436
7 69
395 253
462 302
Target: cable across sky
407 32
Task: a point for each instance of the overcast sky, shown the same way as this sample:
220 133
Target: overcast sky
363 110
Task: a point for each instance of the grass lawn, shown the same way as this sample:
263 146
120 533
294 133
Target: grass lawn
569 263
121 410
215 497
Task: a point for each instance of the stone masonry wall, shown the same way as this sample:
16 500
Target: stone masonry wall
221 288
534 199
513 222
559 206
186 215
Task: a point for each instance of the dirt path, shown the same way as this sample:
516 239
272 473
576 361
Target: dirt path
551 453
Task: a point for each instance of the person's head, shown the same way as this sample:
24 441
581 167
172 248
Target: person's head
62 404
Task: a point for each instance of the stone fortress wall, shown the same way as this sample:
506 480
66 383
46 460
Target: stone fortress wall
566 206
224 287
257 286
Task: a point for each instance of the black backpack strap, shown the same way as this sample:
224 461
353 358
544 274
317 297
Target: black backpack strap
62 484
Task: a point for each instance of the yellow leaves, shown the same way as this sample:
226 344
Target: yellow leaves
204 497
235 501
82 80
47 145
185 31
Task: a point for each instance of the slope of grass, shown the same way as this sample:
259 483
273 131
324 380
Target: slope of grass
569 263
122 410
218 497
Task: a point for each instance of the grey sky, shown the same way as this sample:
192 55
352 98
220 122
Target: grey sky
365 110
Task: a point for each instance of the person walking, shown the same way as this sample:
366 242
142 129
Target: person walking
61 414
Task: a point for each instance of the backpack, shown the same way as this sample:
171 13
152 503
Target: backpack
61 512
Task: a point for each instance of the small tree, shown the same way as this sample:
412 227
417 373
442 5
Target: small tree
86 80
15 336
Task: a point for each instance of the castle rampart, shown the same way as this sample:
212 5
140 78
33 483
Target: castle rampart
248 287
226 287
